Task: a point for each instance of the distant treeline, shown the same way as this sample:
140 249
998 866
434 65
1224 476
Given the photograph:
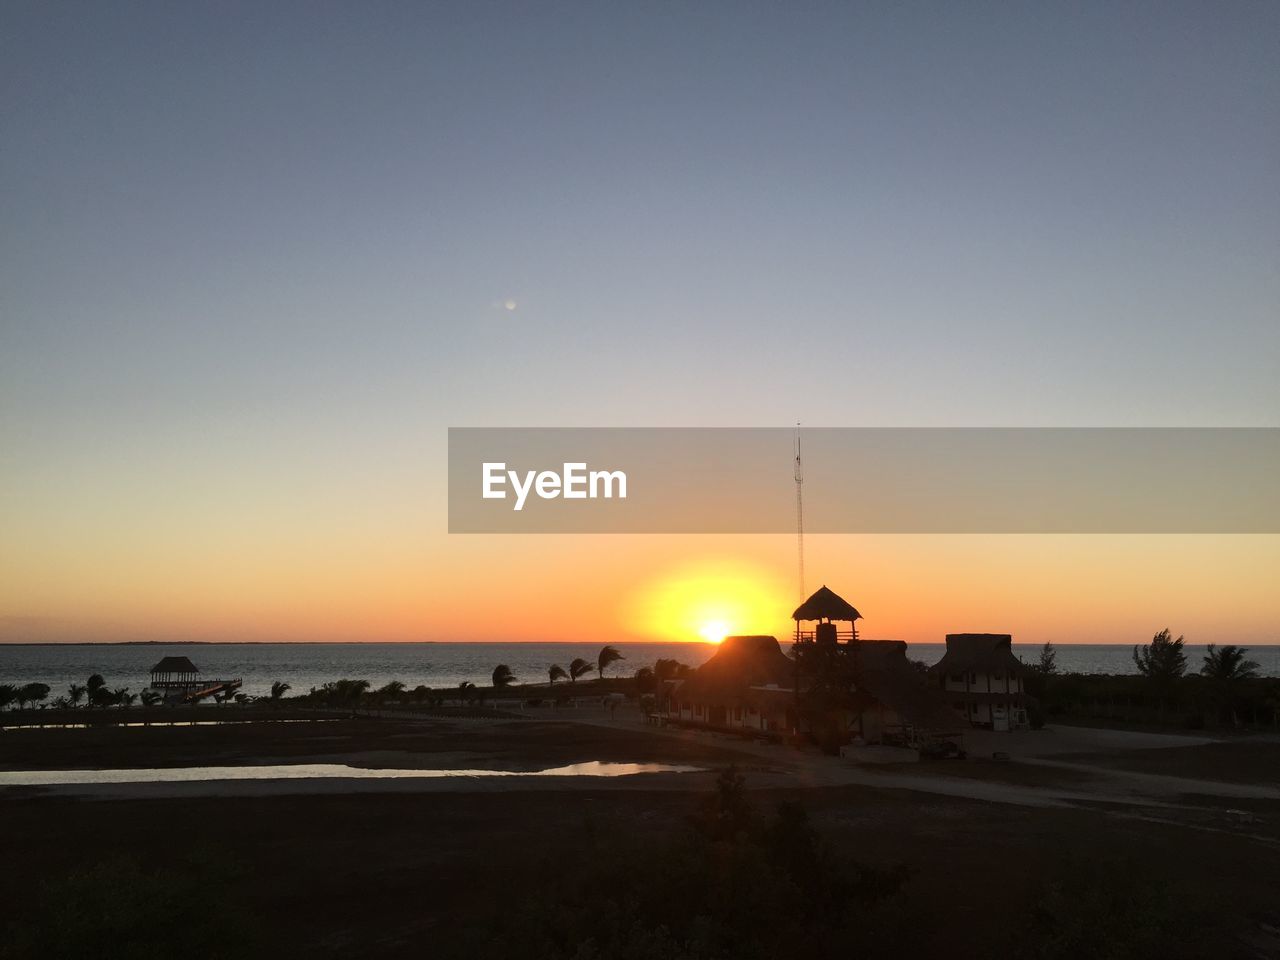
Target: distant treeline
1223 691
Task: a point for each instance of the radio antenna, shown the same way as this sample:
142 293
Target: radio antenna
799 511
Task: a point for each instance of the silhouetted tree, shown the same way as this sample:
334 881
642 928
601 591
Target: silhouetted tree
1048 659
502 676
279 689
341 692
96 692
1162 660
30 693
578 667
8 694
556 672
75 693
150 698
389 690
666 669
1228 665
646 680
1226 669
607 656
726 812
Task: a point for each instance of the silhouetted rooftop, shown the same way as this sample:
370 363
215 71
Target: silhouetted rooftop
980 653
826 604
175 665
738 665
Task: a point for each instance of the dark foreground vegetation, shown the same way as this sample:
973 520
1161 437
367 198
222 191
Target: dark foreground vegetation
726 873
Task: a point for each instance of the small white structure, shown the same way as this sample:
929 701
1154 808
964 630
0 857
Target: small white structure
982 680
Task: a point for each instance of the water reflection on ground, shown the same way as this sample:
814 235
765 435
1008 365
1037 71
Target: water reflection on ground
316 771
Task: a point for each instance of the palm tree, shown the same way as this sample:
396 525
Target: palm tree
607 656
150 698
75 693
466 690
127 699
8 694
556 672
502 676
1228 665
1225 669
578 667
121 697
278 690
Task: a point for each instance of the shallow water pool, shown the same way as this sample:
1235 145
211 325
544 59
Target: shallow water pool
316 771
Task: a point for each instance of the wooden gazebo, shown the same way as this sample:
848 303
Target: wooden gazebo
179 679
174 672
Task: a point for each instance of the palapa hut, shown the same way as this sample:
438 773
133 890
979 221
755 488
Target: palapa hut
179 679
746 686
826 609
982 679
174 671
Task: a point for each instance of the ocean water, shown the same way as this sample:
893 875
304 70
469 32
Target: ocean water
441 665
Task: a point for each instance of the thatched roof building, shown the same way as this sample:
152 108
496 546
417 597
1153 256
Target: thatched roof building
739 667
826 604
986 653
174 669
983 680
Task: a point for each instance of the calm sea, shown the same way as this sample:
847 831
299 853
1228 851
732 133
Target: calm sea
306 665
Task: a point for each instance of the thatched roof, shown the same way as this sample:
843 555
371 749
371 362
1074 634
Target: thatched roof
175 665
887 676
826 604
740 664
979 653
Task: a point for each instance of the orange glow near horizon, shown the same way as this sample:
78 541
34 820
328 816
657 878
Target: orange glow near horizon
370 578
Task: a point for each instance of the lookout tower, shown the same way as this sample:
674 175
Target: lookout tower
826 610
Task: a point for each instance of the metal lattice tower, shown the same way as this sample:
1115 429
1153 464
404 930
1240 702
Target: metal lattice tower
800 511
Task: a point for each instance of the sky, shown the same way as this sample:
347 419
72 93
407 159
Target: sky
255 259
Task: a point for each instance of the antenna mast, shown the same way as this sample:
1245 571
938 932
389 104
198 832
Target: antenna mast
799 511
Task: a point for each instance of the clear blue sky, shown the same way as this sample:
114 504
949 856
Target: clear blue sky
268 248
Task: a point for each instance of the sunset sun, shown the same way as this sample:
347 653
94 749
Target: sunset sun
709 601
714 631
